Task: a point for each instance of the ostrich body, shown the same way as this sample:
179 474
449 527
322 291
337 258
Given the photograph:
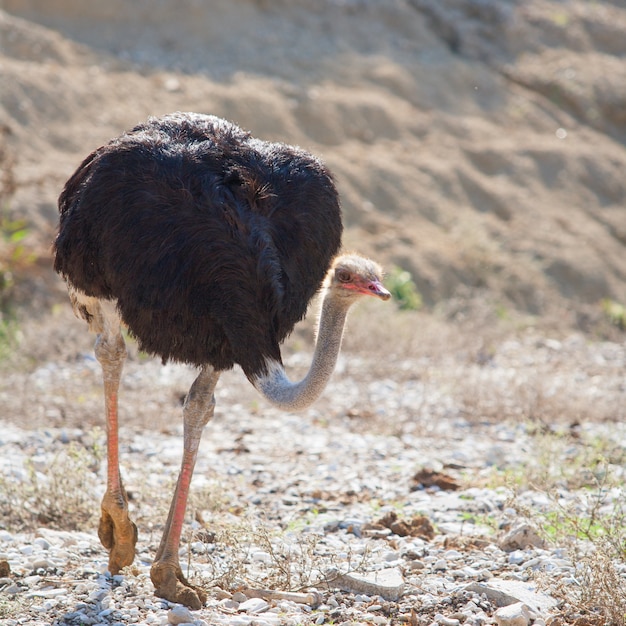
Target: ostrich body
208 245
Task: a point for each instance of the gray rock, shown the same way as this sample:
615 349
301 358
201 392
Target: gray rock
387 583
513 615
179 615
521 537
440 565
254 605
506 592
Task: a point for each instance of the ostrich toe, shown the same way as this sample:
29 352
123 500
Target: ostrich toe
171 585
118 534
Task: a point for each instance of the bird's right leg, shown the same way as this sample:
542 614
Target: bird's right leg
117 532
166 573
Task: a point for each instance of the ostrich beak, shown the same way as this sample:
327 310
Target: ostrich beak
376 288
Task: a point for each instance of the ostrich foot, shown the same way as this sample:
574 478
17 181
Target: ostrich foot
118 534
171 585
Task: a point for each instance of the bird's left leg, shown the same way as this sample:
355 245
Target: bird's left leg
117 533
116 530
166 573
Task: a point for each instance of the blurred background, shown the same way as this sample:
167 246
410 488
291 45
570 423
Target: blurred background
479 145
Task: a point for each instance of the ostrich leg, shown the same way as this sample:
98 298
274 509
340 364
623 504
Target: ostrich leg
166 573
116 531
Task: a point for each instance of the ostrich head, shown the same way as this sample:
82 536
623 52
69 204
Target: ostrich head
352 276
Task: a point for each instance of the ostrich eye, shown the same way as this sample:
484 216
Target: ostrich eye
343 276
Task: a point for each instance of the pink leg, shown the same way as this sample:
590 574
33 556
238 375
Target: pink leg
166 573
116 531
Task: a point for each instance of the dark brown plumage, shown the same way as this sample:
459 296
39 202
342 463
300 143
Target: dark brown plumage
212 242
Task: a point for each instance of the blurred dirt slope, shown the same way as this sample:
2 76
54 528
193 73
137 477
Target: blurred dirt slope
480 144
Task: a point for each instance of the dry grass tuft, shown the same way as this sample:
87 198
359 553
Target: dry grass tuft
59 496
597 596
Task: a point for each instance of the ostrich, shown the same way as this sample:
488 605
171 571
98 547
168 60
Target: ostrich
207 244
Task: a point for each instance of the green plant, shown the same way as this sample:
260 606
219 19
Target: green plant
403 289
13 252
13 256
8 335
615 313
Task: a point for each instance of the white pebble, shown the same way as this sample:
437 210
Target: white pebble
229 604
179 615
452 554
513 615
42 543
261 557
517 557
254 605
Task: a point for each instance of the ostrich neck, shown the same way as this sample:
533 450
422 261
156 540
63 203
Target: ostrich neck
276 387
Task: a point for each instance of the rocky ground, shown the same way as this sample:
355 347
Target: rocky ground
394 500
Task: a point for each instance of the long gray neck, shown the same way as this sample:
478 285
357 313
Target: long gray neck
276 387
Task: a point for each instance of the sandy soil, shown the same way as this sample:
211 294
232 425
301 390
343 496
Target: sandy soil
479 146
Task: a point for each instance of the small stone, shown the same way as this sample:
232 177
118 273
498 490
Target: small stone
179 615
332 602
513 615
521 537
517 557
451 555
171 84
42 543
229 604
48 592
387 583
31 581
97 594
254 605
41 564
239 597
5 569
506 592
440 565
261 556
